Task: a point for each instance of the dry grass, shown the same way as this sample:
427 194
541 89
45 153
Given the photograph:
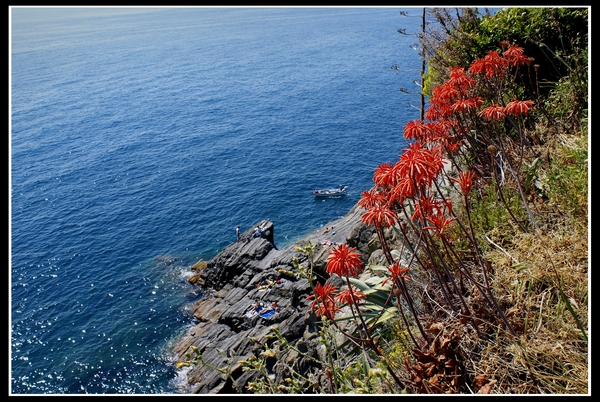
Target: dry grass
544 278
540 279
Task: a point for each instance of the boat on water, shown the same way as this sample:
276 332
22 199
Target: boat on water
331 192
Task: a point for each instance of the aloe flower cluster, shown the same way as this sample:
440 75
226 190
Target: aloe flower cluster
475 109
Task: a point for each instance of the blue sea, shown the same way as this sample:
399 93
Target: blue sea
141 137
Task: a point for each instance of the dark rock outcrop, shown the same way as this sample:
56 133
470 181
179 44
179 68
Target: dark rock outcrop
249 271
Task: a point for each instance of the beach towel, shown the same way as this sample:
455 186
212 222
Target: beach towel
267 313
253 311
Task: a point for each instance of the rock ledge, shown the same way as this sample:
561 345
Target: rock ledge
253 270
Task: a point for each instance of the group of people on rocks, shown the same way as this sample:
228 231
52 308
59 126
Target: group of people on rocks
327 230
258 232
259 307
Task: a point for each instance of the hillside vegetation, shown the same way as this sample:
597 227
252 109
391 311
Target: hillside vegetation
482 224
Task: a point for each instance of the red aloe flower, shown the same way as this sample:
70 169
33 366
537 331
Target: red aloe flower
441 132
405 188
432 113
324 300
453 145
440 129
415 130
345 296
513 51
371 198
465 179
515 55
380 216
462 105
493 64
424 207
493 112
418 163
437 159
383 176
456 73
439 222
445 110
478 67
518 108
496 64
444 93
520 60
460 79
397 272
344 261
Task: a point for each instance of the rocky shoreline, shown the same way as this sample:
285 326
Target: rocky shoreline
250 271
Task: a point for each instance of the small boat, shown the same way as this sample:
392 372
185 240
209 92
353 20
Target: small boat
331 192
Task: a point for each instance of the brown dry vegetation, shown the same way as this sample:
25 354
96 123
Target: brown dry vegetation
541 280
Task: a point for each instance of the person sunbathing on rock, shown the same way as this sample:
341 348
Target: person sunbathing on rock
266 284
268 312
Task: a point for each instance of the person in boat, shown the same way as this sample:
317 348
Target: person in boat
340 188
316 192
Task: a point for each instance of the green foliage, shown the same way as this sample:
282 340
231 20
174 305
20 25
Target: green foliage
488 213
568 99
558 28
364 380
548 35
566 183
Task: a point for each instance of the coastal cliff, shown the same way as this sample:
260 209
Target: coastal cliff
254 272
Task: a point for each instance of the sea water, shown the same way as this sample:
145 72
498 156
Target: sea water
141 137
